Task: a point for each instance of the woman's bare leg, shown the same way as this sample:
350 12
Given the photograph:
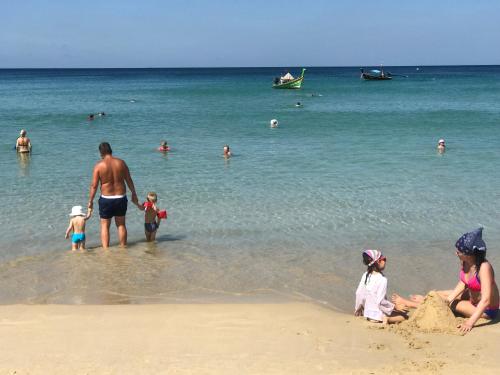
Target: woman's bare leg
417 298
466 308
398 300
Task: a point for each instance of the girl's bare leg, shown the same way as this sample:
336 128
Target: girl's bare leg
74 246
396 319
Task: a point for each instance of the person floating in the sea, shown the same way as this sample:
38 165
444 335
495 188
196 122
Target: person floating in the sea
226 151
152 216
476 294
163 147
371 299
91 117
23 143
298 104
77 226
274 123
101 114
441 147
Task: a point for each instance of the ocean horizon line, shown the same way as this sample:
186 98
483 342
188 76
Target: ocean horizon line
248 67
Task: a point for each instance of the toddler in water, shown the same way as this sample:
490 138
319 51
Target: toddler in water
152 216
77 225
163 147
371 301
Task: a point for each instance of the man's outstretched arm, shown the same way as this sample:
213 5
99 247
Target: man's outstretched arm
130 184
93 187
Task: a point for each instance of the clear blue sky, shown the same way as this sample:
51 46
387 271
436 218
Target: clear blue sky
196 33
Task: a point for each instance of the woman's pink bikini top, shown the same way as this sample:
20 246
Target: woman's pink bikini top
474 284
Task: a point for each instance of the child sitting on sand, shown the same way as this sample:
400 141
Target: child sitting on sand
371 301
77 225
152 216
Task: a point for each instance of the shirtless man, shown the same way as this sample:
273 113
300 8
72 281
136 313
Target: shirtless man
23 143
112 173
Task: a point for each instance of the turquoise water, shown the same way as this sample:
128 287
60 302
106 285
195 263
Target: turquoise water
288 215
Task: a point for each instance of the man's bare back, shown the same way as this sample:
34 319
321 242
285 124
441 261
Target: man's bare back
111 174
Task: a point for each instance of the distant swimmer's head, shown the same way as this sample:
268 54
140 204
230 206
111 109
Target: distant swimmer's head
298 104
441 143
91 116
22 133
163 143
274 123
226 150
105 149
152 197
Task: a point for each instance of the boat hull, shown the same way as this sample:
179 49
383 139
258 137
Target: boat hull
368 77
295 84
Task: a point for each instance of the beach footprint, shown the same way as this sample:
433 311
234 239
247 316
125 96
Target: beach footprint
377 346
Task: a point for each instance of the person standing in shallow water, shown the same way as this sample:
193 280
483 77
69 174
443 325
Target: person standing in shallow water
23 143
112 174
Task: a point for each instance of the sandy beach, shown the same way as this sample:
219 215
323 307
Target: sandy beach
286 338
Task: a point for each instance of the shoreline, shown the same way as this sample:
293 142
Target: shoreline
227 338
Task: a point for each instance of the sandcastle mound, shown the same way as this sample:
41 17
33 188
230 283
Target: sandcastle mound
433 315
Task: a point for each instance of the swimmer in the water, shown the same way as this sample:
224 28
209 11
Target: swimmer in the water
274 123
441 147
91 117
163 147
23 143
298 104
101 114
226 151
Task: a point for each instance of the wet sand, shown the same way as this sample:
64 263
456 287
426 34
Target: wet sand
286 338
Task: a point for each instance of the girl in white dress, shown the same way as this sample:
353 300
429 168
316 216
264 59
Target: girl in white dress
371 301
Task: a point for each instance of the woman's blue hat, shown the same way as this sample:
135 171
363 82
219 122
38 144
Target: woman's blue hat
471 242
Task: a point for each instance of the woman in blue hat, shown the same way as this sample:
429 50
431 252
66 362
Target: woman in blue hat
476 294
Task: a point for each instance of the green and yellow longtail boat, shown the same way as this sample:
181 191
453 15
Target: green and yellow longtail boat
288 82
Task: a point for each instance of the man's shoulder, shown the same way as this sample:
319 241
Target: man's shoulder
118 161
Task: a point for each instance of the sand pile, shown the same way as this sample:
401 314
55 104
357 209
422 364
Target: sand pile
433 315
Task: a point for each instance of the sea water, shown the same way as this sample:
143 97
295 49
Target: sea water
286 217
